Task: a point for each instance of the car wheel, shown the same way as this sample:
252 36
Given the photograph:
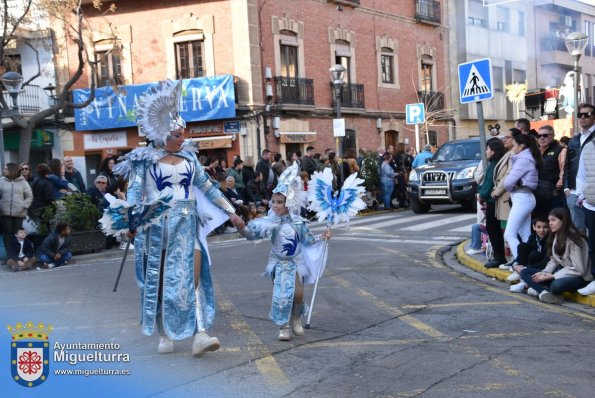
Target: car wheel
418 207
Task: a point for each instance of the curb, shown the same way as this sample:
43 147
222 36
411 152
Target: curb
501 275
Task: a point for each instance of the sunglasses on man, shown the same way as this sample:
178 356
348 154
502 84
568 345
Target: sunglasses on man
582 115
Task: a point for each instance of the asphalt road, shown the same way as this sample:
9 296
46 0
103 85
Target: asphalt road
395 316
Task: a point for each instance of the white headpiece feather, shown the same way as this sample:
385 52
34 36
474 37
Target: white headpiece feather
291 186
157 112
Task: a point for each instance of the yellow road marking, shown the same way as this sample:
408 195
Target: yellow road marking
266 364
410 320
478 303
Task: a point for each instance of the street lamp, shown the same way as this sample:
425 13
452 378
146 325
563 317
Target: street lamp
12 83
337 72
576 43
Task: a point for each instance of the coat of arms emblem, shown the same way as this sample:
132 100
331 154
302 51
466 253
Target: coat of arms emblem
30 353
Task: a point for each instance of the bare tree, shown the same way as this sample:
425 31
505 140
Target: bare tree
69 15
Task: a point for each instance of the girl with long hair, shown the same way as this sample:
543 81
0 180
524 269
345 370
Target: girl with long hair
520 182
568 269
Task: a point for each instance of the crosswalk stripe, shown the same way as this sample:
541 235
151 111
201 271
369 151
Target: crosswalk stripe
466 228
398 240
439 223
356 221
403 220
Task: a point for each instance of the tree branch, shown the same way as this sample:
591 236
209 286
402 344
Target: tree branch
38 64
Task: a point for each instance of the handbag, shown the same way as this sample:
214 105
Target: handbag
29 226
544 190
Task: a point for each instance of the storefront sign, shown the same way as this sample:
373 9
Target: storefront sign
208 128
105 140
231 127
207 98
299 137
216 142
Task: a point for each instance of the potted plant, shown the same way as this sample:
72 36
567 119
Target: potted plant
82 215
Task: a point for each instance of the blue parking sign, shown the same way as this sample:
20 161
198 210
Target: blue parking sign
475 81
415 113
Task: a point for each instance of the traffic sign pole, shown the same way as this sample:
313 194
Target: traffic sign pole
482 135
417 137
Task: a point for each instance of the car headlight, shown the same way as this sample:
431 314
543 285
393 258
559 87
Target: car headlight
413 176
466 173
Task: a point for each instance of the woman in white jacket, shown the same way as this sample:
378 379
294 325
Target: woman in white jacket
568 269
15 199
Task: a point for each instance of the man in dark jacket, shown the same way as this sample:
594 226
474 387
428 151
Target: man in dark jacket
308 164
548 193
586 121
43 192
55 249
264 167
73 175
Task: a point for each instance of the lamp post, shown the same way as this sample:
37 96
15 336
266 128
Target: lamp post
337 72
12 83
576 43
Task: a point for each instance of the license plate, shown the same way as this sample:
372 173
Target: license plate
435 191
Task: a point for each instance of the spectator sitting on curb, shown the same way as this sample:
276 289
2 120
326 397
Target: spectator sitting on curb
21 253
568 269
532 254
55 249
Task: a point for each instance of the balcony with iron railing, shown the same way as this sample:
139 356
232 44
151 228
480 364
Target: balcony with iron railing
294 90
427 11
352 96
432 100
30 100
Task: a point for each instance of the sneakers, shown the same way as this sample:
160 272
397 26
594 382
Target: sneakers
51 265
513 277
508 265
519 287
532 292
284 333
203 343
165 346
494 263
550 298
473 251
587 290
230 230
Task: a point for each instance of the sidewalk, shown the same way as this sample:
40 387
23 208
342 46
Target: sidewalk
476 263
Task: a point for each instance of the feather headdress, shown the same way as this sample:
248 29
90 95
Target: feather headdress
337 207
291 186
157 112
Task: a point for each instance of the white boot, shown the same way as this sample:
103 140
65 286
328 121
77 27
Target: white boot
296 320
285 332
203 343
166 346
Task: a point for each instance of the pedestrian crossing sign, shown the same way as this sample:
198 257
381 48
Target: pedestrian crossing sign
475 81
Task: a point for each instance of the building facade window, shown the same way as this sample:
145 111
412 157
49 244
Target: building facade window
498 79
189 59
12 62
387 65
433 138
503 22
348 141
519 76
109 68
288 47
426 71
478 14
343 57
521 23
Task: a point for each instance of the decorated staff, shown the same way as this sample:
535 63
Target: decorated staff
294 255
336 208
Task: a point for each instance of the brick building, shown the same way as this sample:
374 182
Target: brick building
393 52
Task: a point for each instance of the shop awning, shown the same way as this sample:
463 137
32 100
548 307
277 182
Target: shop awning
215 142
297 137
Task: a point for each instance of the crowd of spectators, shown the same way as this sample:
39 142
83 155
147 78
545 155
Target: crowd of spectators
539 200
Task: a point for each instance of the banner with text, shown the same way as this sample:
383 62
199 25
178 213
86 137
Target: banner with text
206 98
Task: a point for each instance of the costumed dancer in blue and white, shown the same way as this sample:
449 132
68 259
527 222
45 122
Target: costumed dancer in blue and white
172 261
289 266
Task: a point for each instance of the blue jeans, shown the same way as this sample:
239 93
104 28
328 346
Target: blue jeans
576 213
475 237
65 257
387 191
556 286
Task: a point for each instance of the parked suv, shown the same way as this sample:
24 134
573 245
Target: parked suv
447 177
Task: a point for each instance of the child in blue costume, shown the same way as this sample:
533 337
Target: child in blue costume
288 266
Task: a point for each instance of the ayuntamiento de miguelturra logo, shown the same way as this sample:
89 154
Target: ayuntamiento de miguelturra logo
30 353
